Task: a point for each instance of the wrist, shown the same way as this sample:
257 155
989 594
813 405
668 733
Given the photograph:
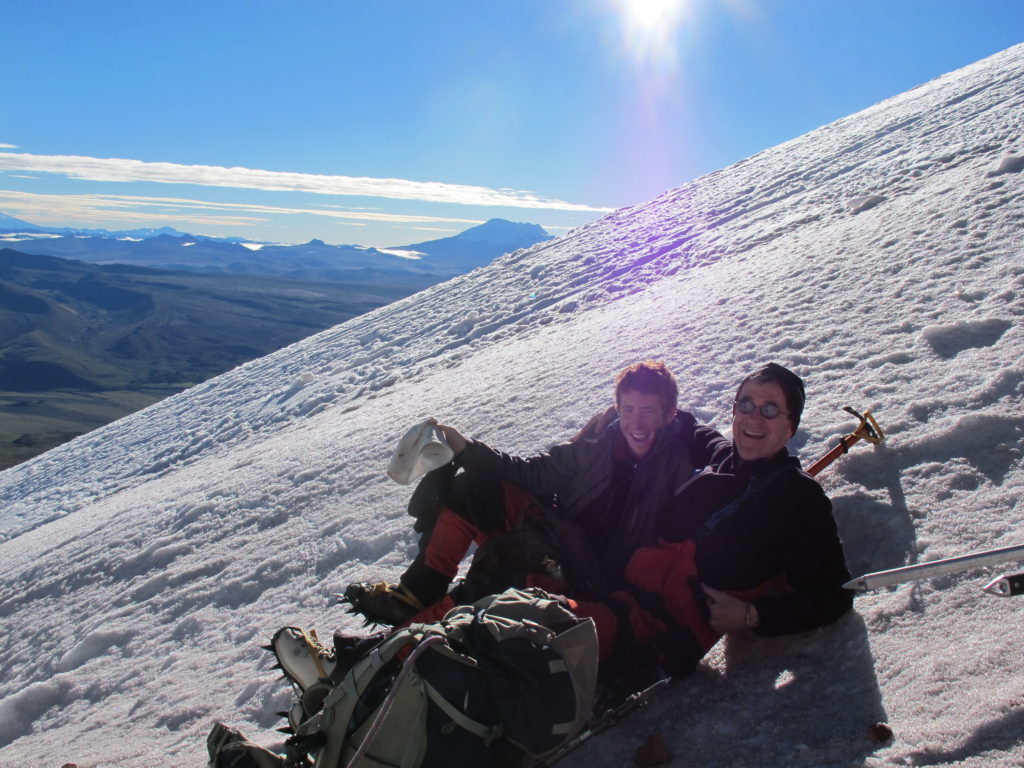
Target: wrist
751 619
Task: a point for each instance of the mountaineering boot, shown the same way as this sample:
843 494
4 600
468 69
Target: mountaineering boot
228 748
301 657
382 603
394 604
348 649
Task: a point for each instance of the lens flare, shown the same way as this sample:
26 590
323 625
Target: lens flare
650 29
651 14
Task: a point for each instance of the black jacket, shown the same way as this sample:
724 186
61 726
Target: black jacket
782 534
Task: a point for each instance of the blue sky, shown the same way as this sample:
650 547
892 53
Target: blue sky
395 122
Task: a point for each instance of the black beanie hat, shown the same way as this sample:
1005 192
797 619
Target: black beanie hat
791 384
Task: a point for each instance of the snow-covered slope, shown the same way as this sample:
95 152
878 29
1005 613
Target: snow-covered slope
879 256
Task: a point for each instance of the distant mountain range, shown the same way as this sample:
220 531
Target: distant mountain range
166 248
11 224
90 331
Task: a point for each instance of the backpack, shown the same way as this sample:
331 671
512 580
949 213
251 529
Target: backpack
502 682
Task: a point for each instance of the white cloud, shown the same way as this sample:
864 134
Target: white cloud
99 208
123 170
8 146
84 210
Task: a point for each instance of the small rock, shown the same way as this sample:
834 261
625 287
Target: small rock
880 733
652 752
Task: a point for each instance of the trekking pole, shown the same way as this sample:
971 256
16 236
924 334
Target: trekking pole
1005 586
940 567
601 724
867 429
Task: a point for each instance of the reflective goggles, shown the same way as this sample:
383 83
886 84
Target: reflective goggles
768 410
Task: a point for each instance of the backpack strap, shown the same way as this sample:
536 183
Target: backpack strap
756 485
324 732
382 712
487 733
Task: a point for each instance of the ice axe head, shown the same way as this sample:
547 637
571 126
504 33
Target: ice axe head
868 429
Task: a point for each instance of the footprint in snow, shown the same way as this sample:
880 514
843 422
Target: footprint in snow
950 340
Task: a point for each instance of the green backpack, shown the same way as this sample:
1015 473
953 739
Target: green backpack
502 683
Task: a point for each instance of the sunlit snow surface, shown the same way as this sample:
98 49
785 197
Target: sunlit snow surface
142 565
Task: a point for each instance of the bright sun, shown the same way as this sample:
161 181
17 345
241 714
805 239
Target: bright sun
650 29
650 15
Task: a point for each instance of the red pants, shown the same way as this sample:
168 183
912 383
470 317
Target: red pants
453 534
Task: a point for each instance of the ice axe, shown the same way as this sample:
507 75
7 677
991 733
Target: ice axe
868 429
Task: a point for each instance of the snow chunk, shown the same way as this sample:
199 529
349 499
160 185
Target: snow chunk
1009 164
300 383
858 204
19 710
94 645
466 324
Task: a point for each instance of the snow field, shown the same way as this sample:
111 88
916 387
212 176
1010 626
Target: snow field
142 565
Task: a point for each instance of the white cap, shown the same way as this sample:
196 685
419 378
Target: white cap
421 449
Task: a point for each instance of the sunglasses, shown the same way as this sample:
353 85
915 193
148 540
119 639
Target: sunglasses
768 410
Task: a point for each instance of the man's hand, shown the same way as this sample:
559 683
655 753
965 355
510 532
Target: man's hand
728 613
453 437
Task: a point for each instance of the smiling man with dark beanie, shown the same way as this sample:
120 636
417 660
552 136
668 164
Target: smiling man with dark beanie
749 544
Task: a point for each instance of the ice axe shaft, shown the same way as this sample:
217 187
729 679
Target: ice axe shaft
935 568
868 429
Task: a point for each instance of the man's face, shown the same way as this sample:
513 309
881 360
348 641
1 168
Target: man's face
640 418
754 436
